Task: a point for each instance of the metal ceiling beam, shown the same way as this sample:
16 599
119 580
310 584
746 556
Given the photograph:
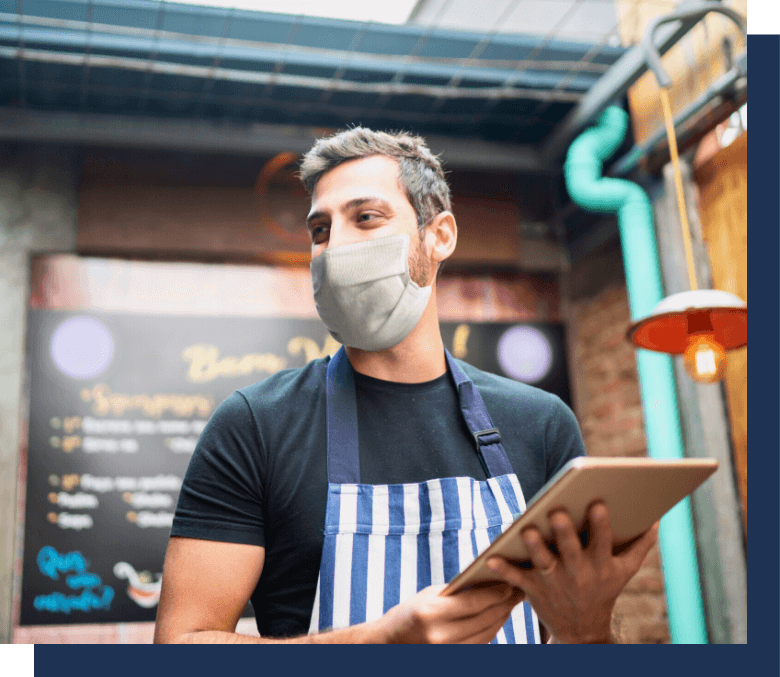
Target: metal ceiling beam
459 43
283 79
71 35
611 86
249 139
186 104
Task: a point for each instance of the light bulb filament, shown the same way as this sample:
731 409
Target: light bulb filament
705 358
705 361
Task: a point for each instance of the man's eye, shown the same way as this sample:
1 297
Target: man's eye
318 233
365 216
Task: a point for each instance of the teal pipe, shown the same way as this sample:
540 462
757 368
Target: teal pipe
594 192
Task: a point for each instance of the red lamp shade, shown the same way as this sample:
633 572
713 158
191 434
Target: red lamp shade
668 329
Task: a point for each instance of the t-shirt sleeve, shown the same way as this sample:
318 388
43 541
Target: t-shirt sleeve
563 439
221 497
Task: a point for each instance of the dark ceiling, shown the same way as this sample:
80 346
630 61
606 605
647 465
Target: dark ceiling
170 60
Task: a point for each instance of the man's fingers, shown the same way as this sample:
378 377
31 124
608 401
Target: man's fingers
566 539
635 555
520 579
476 601
600 534
479 628
483 628
541 556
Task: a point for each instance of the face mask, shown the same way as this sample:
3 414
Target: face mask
364 294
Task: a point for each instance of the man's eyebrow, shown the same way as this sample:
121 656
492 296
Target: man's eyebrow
314 215
352 204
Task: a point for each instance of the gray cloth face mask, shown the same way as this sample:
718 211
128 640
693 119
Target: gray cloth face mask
364 294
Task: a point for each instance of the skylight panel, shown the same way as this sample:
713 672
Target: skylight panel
396 12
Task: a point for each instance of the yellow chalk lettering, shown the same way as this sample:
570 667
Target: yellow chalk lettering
206 365
154 406
71 442
69 481
71 424
228 366
459 341
200 357
310 349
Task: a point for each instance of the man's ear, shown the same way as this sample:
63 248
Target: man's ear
441 235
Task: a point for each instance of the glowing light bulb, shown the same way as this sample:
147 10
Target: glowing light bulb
705 359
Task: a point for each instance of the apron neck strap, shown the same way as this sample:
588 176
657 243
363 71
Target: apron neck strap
342 422
486 435
341 406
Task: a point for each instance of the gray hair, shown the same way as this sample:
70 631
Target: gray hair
420 173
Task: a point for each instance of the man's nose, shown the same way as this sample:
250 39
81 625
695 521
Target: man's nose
341 233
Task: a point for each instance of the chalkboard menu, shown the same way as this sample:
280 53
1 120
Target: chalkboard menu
116 405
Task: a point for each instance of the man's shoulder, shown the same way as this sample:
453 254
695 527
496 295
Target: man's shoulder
308 380
495 386
274 403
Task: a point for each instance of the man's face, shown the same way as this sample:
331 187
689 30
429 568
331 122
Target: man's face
363 200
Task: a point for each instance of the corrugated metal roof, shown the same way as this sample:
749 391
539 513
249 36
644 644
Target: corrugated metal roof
190 62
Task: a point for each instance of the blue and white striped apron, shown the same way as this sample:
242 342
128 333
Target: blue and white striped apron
384 543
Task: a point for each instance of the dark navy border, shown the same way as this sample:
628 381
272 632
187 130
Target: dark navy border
764 369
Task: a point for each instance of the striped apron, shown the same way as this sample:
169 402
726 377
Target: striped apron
384 543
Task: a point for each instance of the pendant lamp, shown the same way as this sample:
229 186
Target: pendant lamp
700 324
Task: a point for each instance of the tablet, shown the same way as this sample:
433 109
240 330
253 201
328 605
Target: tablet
636 491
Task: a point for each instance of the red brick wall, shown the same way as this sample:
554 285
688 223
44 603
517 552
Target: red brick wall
608 406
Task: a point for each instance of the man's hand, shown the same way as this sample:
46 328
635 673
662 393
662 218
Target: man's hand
470 617
574 594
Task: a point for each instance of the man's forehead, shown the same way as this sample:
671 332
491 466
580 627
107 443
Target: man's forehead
377 175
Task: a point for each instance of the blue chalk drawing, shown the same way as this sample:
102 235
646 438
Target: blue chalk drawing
56 602
76 581
93 596
50 562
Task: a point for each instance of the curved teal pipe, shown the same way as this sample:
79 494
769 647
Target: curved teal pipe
594 192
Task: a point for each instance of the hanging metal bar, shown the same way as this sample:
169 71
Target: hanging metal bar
612 85
724 85
235 75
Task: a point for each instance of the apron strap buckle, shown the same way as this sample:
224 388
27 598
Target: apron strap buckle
485 437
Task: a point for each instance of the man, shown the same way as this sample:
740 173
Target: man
340 497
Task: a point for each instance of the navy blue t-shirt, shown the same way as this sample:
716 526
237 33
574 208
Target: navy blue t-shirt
258 474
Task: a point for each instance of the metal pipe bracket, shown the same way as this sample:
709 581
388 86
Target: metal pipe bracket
694 12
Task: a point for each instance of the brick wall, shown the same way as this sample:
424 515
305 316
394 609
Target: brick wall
608 406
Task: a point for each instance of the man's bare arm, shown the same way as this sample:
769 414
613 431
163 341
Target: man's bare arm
206 587
207 584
